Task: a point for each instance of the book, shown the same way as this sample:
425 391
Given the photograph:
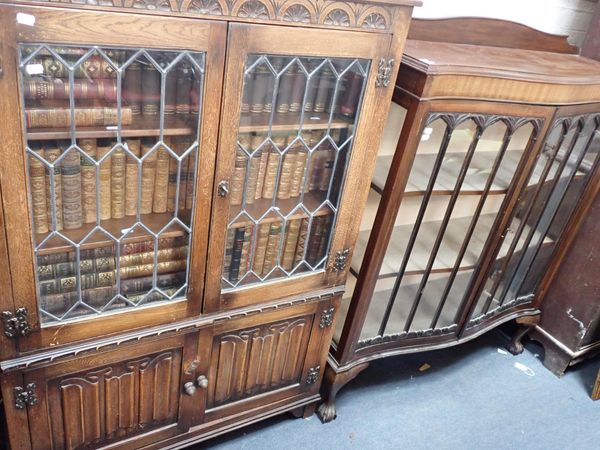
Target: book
272 250
315 169
37 181
284 91
351 97
84 117
190 179
228 249
327 163
104 146
262 239
255 142
285 177
313 85
148 175
117 184
261 81
132 88
131 176
161 184
171 93
70 174
292 233
298 89
324 239
314 240
130 248
51 154
246 251
195 97
239 178
88 179
301 244
162 255
253 174
93 67
236 254
297 177
183 89
247 93
151 81
270 173
325 89
83 89
148 269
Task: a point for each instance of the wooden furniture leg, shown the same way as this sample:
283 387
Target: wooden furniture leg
304 412
332 383
526 324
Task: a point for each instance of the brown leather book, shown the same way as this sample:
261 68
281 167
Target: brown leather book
297 178
58 89
351 96
183 89
292 233
246 251
325 90
117 184
150 90
285 177
88 179
132 88
285 89
272 251
148 175
301 245
37 181
51 154
103 147
239 177
161 183
84 117
93 67
131 176
190 178
70 174
262 239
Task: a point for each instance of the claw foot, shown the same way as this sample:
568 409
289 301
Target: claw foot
327 412
516 348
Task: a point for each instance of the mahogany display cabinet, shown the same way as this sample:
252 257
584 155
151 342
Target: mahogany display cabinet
488 161
180 184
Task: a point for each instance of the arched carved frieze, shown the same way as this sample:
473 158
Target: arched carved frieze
328 13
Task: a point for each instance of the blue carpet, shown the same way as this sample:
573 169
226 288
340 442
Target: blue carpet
472 397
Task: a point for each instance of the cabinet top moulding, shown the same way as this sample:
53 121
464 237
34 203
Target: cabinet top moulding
367 15
491 59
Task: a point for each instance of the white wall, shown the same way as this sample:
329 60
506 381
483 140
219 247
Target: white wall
571 17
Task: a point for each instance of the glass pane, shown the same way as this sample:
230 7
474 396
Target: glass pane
462 169
545 206
296 131
112 145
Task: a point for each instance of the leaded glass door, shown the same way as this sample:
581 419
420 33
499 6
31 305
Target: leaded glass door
116 157
294 131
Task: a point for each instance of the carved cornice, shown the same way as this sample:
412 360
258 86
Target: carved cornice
325 13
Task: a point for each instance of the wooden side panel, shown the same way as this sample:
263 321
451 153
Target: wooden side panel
260 359
116 401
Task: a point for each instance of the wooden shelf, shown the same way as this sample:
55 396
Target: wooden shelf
312 200
446 257
477 175
141 126
259 123
115 227
406 294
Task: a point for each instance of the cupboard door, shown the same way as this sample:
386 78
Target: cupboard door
565 168
460 174
135 393
107 190
274 357
295 128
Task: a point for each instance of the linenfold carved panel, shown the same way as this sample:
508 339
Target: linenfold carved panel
259 359
329 13
116 401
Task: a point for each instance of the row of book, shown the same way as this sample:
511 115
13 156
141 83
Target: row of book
291 93
95 80
272 249
76 187
58 277
295 178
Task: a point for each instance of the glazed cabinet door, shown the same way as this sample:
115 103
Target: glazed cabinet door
294 139
137 394
107 167
274 357
436 209
565 173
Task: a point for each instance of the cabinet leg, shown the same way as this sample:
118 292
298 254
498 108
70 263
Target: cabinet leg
304 412
332 383
526 323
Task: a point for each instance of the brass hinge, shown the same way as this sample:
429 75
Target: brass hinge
25 396
313 375
384 72
16 324
326 318
340 260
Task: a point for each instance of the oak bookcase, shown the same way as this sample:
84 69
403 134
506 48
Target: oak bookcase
488 164
181 186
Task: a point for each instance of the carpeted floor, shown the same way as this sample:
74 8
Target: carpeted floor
472 397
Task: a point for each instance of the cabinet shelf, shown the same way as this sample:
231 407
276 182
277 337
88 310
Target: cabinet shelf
447 253
141 126
115 227
474 184
259 123
312 200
